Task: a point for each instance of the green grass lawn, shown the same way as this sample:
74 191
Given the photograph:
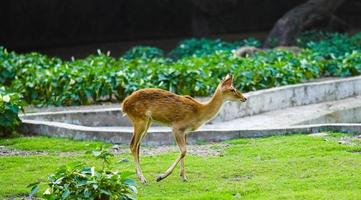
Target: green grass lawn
284 167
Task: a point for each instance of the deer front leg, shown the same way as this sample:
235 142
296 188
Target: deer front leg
179 136
182 170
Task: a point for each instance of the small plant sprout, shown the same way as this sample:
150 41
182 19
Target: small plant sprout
80 181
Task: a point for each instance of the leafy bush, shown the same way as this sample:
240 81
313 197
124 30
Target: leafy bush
78 181
77 81
267 69
347 65
13 65
10 106
204 47
143 52
84 81
335 45
202 63
312 36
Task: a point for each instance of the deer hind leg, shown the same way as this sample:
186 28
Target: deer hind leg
148 123
140 128
179 136
182 170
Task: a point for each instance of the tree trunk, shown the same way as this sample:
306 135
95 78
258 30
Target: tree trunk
304 16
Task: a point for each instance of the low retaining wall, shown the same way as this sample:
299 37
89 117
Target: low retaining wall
166 137
96 117
258 102
78 124
290 96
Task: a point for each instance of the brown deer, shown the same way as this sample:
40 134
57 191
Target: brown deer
183 113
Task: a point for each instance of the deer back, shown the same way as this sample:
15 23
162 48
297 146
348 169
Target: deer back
160 105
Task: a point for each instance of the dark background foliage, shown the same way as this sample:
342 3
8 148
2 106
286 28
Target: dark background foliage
77 28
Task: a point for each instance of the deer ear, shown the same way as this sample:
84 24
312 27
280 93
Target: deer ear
228 80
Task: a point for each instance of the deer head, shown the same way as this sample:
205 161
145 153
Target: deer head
229 92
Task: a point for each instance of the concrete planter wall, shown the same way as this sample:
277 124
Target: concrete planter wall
258 102
97 117
290 96
166 138
87 124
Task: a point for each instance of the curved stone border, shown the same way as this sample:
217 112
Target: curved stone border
258 102
164 137
290 96
96 117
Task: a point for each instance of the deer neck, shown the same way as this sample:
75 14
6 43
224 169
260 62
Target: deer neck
213 106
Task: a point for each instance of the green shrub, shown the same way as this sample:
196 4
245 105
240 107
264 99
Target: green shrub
10 106
93 79
200 65
347 65
103 78
335 45
13 65
78 181
143 52
72 82
312 36
204 47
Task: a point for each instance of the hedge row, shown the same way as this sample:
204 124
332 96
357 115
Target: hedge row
51 81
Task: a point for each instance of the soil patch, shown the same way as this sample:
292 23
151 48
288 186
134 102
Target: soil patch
4 151
198 150
215 149
22 197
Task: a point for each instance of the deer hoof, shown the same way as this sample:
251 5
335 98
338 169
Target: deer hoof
159 178
184 178
143 180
